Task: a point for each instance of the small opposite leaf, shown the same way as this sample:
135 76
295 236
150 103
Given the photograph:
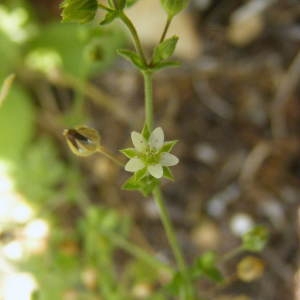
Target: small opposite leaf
173 7
165 64
132 57
129 152
205 265
79 11
109 17
255 239
164 50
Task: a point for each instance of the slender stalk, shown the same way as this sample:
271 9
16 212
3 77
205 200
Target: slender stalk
148 87
170 232
105 152
169 20
104 7
135 36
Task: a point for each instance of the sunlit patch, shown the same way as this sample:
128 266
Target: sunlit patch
36 229
18 286
22 212
44 60
241 223
13 250
6 183
12 23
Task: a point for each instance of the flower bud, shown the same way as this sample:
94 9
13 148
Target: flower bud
250 268
173 7
83 140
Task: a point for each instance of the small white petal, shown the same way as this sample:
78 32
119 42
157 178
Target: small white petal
156 170
138 141
156 139
168 159
134 164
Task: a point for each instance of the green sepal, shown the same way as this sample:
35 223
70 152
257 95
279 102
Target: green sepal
141 182
168 173
256 239
164 50
129 152
78 11
165 64
146 132
109 17
139 175
206 265
173 7
168 146
133 57
131 184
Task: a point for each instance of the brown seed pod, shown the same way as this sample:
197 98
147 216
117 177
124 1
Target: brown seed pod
82 140
250 268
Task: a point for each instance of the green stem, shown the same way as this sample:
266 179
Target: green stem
137 252
148 99
104 7
165 218
169 20
135 36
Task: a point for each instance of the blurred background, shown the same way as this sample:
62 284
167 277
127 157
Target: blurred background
67 231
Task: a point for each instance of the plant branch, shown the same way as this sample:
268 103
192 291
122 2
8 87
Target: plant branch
169 20
135 36
180 261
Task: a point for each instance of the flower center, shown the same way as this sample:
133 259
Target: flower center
150 156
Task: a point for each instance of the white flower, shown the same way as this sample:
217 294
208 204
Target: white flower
150 154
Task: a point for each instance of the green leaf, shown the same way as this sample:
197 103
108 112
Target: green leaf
164 50
133 57
129 152
168 173
255 240
165 64
168 146
109 17
78 11
17 117
173 7
205 265
146 132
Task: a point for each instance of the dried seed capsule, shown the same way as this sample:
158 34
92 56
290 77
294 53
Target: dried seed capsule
83 140
250 268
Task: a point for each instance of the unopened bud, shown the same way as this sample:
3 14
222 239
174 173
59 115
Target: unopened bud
83 140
